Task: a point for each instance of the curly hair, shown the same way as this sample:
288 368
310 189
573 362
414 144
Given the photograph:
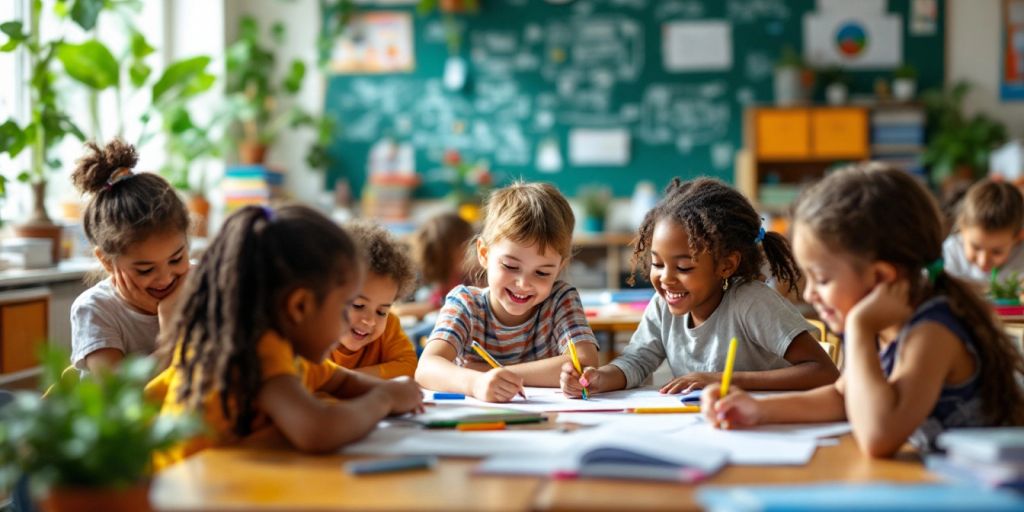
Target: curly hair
719 221
879 213
128 208
385 255
237 293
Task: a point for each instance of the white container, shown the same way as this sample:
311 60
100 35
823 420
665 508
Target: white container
787 86
904 89
28 252
836 94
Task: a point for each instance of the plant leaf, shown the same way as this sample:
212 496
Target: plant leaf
90 63
86 12
138 73
183 79
140 47
14 34
293 81
12 138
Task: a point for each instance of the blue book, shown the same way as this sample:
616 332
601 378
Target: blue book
856 497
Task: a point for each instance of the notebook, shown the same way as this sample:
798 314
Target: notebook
451 416
615 454
985 444
857 497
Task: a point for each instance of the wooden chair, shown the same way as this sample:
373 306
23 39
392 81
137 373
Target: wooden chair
828 341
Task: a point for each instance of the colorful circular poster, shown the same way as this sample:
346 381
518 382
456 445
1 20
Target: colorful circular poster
851 39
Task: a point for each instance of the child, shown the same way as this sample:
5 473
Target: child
374 344
139 230
923 352
988 244
263 310
703 248
526 316
440 250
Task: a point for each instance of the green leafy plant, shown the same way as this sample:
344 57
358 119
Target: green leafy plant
905 71
98 432
595 200
258 102
834 75
1007 289
957 141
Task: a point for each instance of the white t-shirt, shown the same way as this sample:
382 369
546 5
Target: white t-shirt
763 322
956 263
101 319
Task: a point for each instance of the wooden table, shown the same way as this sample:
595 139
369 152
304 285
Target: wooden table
266 477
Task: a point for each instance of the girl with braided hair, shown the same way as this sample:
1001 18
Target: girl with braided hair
264 308
703 248
923 351
138 227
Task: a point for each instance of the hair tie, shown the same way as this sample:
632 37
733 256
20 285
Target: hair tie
268 213
934 269
122 173
760 236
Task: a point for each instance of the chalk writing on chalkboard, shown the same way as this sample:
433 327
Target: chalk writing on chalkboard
685 115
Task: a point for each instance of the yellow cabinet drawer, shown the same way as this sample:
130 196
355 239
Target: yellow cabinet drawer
782 133
839 133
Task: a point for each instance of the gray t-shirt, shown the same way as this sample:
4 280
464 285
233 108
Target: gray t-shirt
763 322
101 319
956 263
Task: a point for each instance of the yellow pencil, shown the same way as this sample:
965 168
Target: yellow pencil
729 361
479 349
576 363
664 410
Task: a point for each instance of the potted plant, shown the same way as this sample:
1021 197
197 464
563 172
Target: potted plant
904 83
791 80
88 444
837 85
48 121
595 200
256 100
1007 291
958 146
469 182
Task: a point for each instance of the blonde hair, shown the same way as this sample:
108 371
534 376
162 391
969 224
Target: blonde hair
529 214
992 206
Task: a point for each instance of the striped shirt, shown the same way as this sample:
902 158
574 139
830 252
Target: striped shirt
467 316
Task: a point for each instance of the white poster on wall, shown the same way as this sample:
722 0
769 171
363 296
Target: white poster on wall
697 46
852 41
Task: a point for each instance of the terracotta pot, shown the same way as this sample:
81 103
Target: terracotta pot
251 153
199 207
39 215
48 231
132 499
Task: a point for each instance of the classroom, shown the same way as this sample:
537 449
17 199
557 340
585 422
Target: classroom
726 255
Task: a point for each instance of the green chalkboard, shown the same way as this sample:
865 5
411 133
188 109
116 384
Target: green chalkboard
538 70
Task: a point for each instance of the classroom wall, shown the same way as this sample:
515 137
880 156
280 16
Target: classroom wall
972 46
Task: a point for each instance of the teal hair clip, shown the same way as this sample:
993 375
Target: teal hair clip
934 269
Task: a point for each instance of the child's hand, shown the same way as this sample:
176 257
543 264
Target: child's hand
887 305
736 410
572 382
497 385
132 293
165 308
405 395
690 382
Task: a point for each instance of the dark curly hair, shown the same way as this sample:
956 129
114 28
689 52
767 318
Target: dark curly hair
384 255
237 292
719 221
128 209
879 213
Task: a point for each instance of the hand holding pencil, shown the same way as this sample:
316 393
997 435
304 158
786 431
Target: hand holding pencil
499 384
726 406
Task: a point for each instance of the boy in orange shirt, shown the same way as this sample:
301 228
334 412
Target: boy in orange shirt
375 343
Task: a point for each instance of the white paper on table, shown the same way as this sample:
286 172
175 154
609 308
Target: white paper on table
805 430
631 422
697 46
750 448
552 400
455 443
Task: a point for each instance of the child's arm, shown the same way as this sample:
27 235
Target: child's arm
883 413
315 425
546 372
738 409
437 372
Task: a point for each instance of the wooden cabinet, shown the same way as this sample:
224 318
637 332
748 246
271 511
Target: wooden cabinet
782 133
839 133
24 317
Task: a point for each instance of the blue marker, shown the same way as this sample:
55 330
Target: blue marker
449 396
368 467
692 396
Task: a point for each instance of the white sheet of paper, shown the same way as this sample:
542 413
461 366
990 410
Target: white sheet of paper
552 400
455 443
805 430
882 40
631 422
697 46
599 147
751 448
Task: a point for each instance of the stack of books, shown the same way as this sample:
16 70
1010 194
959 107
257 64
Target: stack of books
897 137
246 185
989 457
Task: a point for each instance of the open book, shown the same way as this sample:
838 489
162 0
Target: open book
451 416
615 454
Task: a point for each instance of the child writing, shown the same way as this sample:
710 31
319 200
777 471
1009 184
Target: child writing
139 231
987 245
264 308
923 352
703 249
374 343
526 316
